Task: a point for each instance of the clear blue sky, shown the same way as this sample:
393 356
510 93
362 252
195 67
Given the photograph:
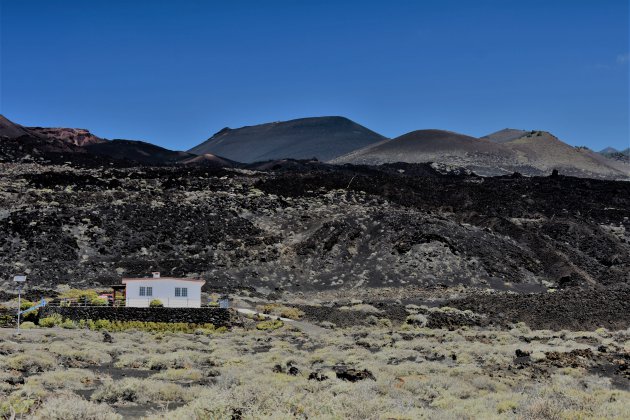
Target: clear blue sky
175 72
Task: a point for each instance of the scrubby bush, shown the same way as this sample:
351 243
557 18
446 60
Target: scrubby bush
362 307
34 361
156 303
79 294
30 316
269 325
99 301
291 313
102 324
155 327
73 407
68 324
15 405
25 304
27 325
64 379
51 321
280 310
417 320
140 391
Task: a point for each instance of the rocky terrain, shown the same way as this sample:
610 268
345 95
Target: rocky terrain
312 226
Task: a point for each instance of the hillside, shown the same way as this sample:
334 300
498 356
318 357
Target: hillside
327 227
209 160
323 138
79 146
137 151
11 130
622 156
75 136
479 155
545 152
505 135
504 152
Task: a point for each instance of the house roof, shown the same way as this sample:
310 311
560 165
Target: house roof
126 279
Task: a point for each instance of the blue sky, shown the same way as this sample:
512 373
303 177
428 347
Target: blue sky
175 72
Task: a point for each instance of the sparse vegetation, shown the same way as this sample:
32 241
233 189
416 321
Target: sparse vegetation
107 325
417 372
272 324
280 310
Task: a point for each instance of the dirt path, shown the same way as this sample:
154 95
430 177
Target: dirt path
306 327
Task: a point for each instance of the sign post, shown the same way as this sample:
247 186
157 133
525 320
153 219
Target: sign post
20 280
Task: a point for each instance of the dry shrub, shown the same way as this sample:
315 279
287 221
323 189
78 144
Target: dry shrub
141 391
72 407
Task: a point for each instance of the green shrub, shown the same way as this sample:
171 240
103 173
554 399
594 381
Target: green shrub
280 310
16 405
79 294
68 324
269 325
51 321
102 324
291 313
155 327
156 303
25 304
28 325
99 302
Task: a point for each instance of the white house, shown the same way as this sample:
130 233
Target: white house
171 291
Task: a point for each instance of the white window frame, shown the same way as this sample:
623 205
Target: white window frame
149 291
184 292
178 292
142 291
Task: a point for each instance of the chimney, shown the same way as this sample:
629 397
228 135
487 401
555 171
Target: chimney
156 274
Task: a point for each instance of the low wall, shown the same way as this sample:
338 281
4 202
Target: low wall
218 317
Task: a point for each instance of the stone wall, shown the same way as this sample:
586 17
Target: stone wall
218 317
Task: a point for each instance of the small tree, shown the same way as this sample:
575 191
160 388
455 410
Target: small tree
156 303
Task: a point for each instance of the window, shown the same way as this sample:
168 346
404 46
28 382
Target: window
181 292
149 291
143 291
184 292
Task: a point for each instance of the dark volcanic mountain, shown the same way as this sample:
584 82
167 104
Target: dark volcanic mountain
137 151
323 138
11 130
504 152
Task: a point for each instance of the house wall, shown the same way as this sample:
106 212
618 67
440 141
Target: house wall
164 290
